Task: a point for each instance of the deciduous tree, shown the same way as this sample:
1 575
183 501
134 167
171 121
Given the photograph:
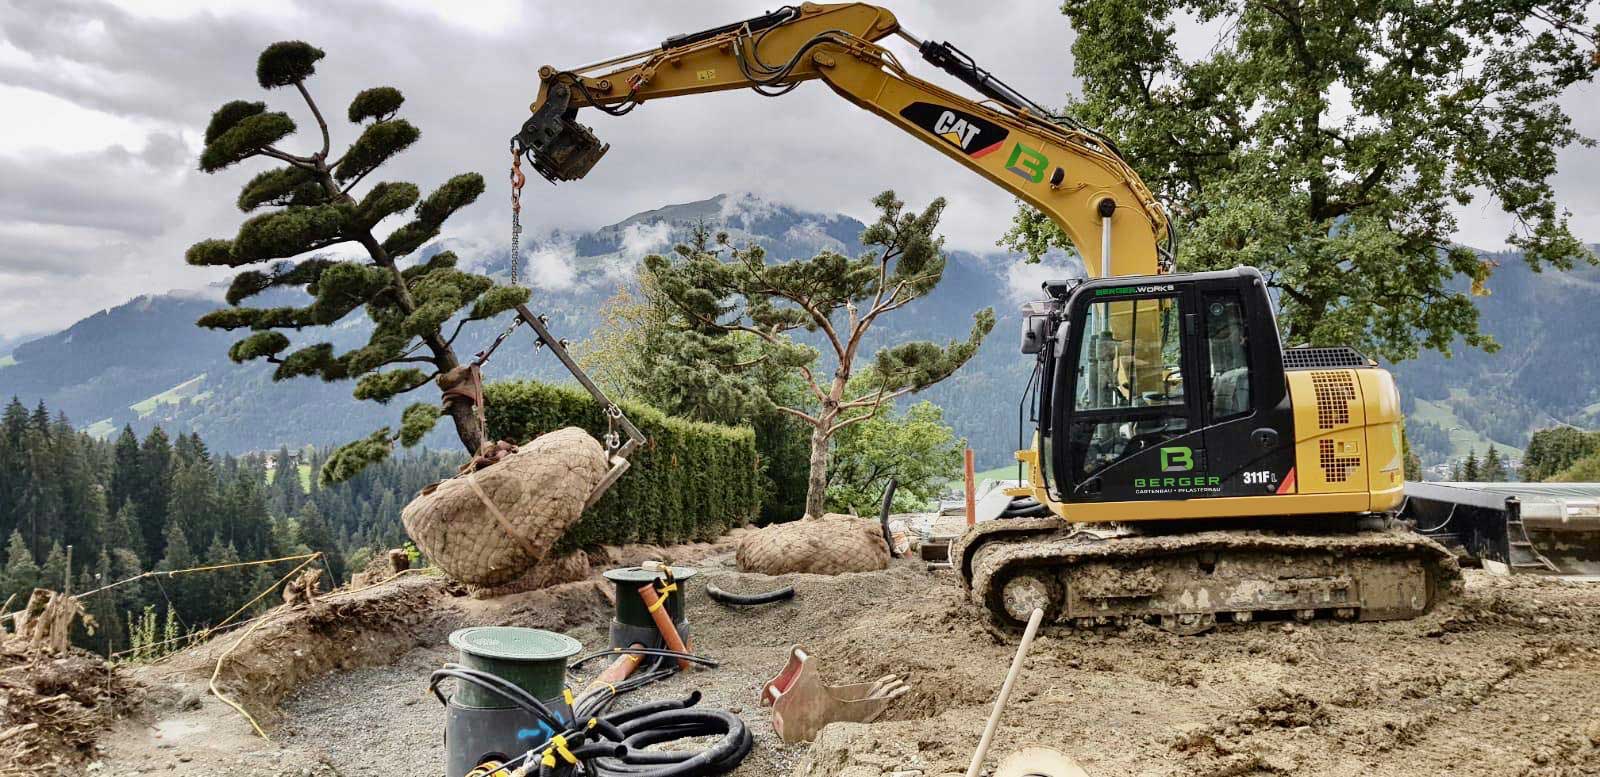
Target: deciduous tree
1327 142
915 448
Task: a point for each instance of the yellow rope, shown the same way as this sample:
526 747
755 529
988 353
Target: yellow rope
269 589
217 672
170 573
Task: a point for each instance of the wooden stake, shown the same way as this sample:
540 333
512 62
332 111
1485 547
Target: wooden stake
1005 692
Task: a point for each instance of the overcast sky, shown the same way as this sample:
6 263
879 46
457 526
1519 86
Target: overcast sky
105 103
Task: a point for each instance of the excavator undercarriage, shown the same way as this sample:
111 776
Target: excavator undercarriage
1189 581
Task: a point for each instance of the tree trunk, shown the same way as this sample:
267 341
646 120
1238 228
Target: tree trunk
468 427
817 485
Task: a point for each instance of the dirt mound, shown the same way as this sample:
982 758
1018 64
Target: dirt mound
1508 682
340 630
54 707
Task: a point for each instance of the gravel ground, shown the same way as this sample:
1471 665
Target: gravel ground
1505 681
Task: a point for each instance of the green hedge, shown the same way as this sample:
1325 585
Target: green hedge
690 481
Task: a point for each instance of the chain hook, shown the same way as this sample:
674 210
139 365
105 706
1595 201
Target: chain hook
517 180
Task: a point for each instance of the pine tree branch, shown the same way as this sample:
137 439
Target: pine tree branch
811 380
321 122
304 163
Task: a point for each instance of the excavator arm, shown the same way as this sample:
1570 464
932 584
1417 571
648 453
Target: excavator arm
1069 172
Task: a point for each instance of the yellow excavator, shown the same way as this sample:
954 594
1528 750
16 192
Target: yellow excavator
1185 468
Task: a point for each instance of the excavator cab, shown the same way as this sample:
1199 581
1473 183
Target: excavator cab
1160 388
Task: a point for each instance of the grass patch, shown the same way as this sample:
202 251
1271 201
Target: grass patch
998 473
7 361
101 429
1462 440
189 389
304 472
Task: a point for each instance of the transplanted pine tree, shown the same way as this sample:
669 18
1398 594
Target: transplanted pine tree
311 203
722 290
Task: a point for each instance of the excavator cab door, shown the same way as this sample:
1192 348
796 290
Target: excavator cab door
1170 387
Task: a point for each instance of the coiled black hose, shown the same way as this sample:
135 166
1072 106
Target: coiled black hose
613 744
765 597
1025 507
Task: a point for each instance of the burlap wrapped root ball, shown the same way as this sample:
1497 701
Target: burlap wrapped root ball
539 493
830 545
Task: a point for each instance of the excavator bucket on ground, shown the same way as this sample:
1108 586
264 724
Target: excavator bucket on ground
1513 528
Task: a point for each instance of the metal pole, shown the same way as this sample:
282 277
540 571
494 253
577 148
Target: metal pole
1107 207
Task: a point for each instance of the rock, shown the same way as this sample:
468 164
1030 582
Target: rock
1592 731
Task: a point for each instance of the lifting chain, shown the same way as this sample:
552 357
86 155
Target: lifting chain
517 180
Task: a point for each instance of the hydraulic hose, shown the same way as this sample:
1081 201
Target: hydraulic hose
765 597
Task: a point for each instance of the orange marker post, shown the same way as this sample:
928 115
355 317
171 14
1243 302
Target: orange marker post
972 492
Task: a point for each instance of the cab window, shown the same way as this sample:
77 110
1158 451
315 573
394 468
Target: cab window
1130 382
1131 355
1228 352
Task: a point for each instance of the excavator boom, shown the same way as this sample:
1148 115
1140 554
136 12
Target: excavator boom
1070 173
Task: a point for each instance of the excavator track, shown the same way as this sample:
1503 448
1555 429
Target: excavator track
1189 582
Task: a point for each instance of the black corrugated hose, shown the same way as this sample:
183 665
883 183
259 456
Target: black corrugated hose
597 742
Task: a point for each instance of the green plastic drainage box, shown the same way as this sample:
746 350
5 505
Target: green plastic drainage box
630 608
532 659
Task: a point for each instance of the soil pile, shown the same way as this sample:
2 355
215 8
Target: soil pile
54 706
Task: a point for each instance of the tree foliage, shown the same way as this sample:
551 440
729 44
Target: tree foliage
642 352
1552 451
57 486
308 204
743 311
915 448
693 482
1326 143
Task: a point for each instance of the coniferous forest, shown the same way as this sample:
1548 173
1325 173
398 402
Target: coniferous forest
126 505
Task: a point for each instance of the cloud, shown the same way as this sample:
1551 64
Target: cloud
552 266
1024 280
99 175
106 190
641 240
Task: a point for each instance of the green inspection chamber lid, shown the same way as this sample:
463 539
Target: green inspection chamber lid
514 643
531 659
639 575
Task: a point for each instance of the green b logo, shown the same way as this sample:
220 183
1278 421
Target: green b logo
1177 459
1027 163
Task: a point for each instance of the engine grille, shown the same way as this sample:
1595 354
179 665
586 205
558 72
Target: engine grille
1343 357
